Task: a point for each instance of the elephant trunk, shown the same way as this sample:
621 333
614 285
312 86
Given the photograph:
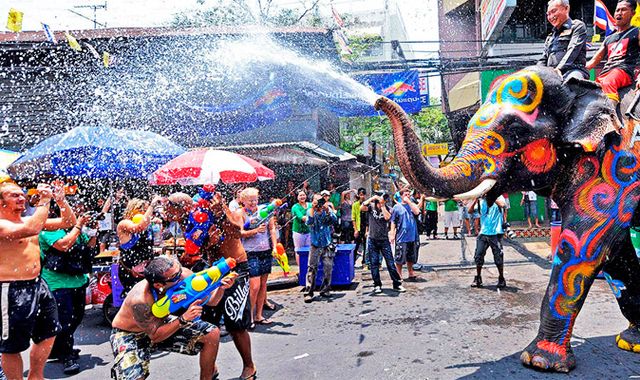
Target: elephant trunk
446 182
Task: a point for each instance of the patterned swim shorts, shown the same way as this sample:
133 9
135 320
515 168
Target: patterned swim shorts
132 351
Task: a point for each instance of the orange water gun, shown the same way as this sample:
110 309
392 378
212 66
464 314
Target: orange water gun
282 259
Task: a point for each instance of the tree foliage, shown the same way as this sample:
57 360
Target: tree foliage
246 12
361 45
430 125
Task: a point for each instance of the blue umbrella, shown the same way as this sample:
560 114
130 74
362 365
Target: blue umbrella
97 152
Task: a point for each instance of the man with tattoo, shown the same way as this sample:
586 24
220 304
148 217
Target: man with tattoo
136 330
28 310
235 305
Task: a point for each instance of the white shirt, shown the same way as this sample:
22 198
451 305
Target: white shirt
234 205
532 196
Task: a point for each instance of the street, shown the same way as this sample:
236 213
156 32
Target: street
440 329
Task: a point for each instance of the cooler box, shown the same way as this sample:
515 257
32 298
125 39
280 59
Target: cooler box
343 269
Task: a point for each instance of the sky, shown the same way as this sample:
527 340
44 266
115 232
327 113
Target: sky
419 15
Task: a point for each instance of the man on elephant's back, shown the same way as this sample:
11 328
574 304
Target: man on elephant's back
565 49
622 50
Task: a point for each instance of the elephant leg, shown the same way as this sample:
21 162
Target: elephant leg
623 275
574 269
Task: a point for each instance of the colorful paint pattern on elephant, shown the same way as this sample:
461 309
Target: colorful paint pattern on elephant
520 94
605 201
616 286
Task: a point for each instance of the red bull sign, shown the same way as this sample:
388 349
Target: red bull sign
402 87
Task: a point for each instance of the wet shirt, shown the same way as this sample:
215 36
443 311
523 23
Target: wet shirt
345 212
58 280
259 242
566 47
622 51
378 225
490 218
406 227
298 213
321 224
138 249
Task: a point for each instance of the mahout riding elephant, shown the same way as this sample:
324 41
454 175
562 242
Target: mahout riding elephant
562 140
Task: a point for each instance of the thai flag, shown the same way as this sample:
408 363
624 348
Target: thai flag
602 18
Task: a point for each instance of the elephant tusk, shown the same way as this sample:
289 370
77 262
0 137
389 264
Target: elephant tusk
478 191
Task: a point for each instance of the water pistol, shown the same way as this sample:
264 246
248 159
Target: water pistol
200 220
198 286
264 213
282 259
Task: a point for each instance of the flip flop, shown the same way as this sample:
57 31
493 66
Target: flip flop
265 321
269 306
253 376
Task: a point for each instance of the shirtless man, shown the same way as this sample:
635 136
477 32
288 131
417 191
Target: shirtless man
36 317
136 329
235 305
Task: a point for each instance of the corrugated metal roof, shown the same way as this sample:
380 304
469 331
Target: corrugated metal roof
106 33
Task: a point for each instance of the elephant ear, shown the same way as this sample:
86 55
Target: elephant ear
590 117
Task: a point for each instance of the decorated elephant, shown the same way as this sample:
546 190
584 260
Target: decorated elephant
562 140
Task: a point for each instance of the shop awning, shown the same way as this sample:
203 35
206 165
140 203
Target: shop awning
318 153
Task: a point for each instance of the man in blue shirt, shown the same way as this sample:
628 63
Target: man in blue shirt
320 219
404 232
490 236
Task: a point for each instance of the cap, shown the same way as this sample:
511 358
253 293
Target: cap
325 192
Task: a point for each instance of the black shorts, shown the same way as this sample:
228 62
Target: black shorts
486 241
234 305
28 312
406 252
259 263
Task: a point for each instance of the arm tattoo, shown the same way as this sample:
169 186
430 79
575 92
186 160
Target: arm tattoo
145 319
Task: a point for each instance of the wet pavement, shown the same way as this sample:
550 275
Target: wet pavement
440 329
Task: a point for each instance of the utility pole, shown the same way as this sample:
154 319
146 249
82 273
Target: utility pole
95 8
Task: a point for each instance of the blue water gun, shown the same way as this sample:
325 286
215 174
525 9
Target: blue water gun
198 286
264 213
200 221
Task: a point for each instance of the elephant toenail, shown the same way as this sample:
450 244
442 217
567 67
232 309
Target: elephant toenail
540 362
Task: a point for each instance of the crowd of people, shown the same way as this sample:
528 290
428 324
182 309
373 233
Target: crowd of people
51 239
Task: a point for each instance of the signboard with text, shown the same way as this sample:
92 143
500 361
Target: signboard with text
493 15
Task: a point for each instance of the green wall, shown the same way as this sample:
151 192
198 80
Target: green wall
516 212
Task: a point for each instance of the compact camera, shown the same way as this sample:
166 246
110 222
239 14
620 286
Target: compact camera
320 202
508 231
94 215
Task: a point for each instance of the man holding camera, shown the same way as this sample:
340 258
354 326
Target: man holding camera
404 233
378 241
320 218
491 232
66 259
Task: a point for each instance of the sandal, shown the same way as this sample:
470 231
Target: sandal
264 321
253 376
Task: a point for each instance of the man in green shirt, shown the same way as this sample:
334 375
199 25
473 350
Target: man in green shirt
68 288
451 218
431 222
334 197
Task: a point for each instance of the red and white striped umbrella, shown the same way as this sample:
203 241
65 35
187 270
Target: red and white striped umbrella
202 166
